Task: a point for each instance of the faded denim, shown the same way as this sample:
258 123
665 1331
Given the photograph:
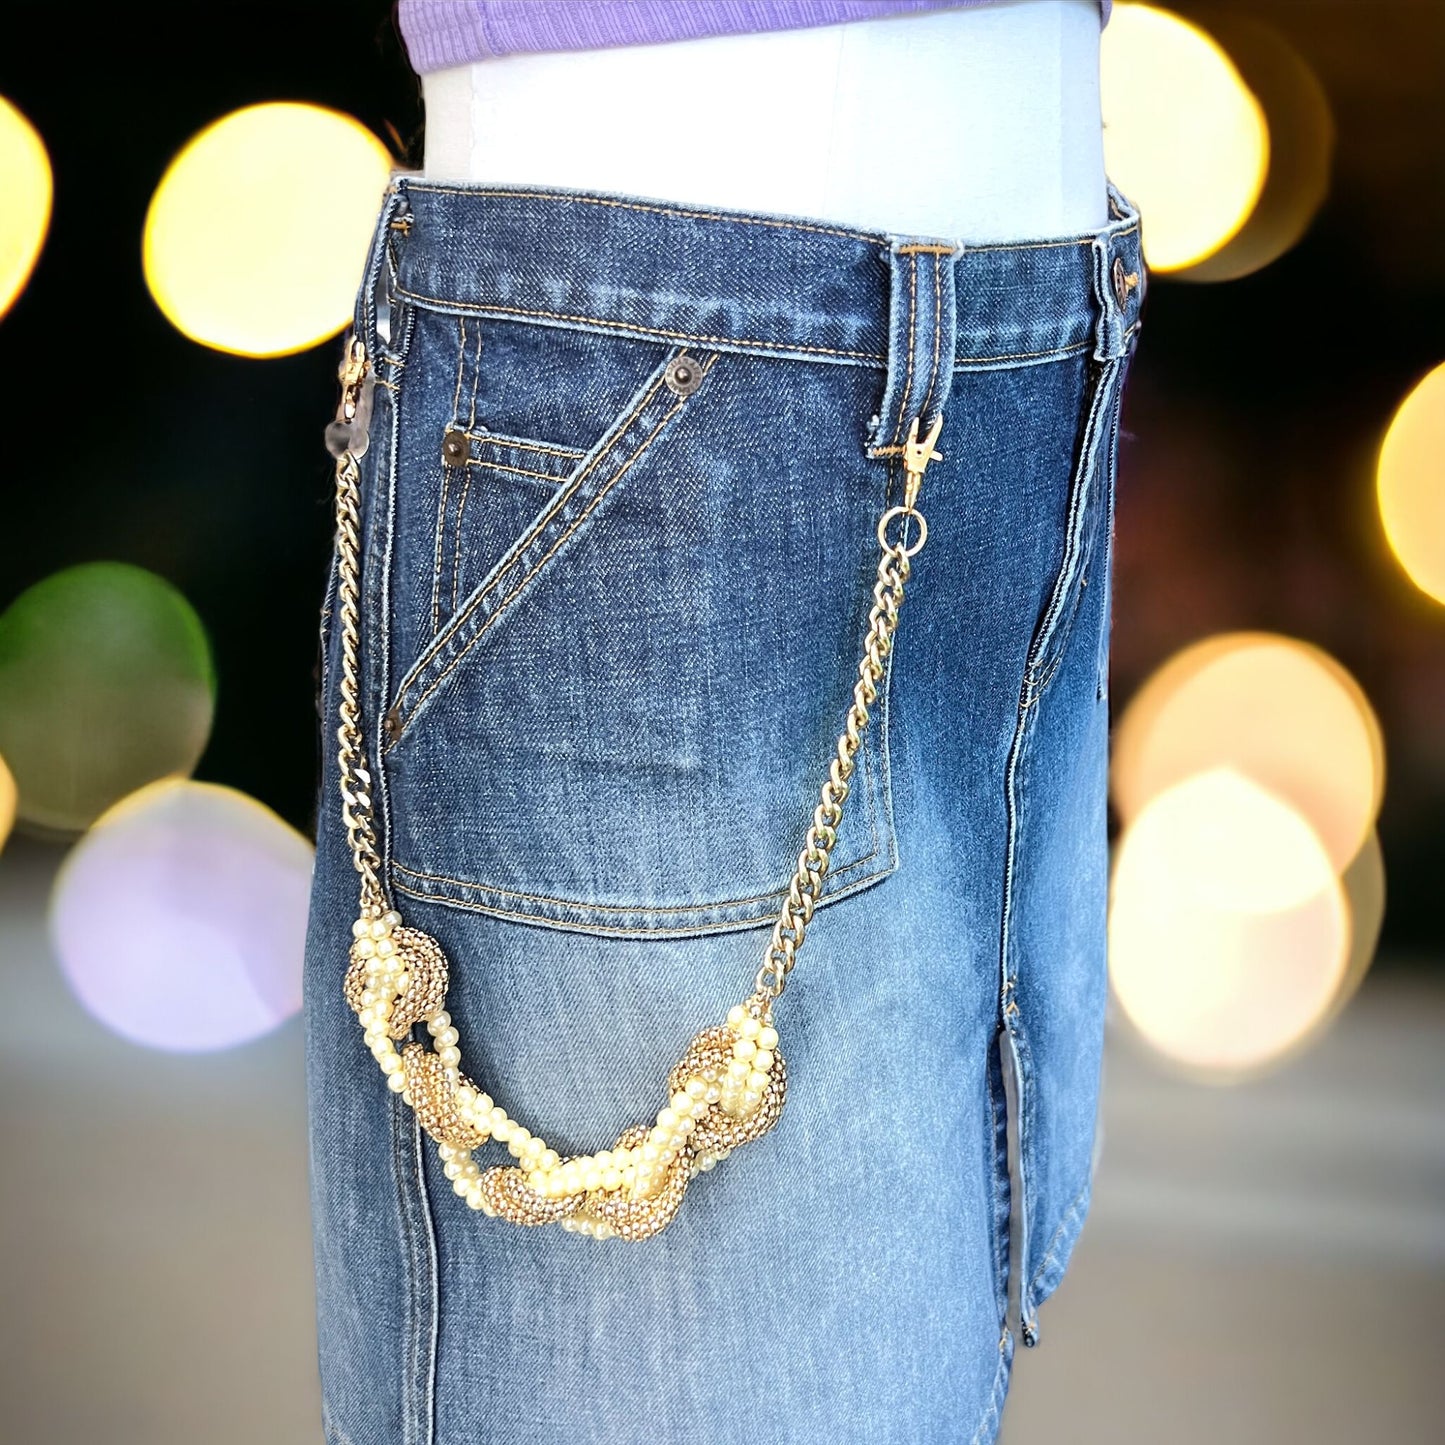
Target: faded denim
609 638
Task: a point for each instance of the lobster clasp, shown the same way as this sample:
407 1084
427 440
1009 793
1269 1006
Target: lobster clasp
917 455
348 430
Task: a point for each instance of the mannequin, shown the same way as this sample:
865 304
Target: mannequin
1005 136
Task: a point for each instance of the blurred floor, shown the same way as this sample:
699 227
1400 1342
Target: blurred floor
1261 1264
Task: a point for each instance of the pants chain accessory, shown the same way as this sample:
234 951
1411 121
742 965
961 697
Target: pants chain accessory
727 1089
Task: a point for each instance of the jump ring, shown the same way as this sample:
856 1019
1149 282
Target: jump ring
888 516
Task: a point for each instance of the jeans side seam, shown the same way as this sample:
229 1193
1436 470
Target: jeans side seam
987 1430
1063 1237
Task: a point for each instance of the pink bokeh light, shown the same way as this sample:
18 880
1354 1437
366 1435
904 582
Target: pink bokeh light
179 919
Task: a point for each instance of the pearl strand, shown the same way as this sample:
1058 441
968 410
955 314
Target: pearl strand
640 1170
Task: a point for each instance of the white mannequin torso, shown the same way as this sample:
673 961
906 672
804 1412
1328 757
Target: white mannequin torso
979 124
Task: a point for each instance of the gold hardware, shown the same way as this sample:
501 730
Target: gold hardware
729 1088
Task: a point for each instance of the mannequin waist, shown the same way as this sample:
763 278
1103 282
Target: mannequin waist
979 124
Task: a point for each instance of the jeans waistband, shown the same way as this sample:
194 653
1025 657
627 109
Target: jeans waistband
742 280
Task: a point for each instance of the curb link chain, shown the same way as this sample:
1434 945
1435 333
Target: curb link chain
894 567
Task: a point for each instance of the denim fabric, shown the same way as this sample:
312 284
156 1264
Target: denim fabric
609 638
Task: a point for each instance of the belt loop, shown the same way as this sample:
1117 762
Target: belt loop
374 313
922 339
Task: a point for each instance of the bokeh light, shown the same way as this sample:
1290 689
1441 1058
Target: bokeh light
1184 137
179 920
1410 484
1229 932
106 683
26 182
1301 132
256 236
1364 885
1276 710
7 802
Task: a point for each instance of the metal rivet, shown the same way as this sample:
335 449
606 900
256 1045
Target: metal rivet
1124 282
684 376
392 723
455 449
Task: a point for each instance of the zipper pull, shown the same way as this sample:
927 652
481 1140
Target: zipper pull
917 455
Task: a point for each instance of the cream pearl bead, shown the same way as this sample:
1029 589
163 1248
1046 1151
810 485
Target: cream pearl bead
736 1014
713 1094
739 1069
447 1037
360 928
757 1083
767 1037
750 1028
744 1049
696 1087
667 1118
451 1057
391 1062
391 918
396 1082
378 929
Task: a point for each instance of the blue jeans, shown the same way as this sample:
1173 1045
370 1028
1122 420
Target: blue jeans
610 629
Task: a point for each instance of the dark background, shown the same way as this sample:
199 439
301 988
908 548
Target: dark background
1250 428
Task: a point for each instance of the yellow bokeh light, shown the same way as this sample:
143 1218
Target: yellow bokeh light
1410 484
256 236
1278 711
1229 932
1301 146
7 802
1184 137
25 217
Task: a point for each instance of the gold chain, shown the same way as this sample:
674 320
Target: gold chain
893 569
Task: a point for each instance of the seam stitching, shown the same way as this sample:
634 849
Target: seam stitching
606 446
618 436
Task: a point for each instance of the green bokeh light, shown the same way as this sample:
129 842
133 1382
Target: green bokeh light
106 684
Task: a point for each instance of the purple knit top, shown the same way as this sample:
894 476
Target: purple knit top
442 33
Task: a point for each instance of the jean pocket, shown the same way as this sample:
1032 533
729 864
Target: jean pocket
623 724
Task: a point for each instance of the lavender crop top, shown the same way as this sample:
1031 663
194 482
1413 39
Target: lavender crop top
443 33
